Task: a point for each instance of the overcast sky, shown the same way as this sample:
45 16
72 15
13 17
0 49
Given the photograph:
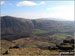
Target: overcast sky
38 9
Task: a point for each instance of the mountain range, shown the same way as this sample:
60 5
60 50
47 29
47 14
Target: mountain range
13 26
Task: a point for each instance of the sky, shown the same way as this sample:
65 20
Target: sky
38 9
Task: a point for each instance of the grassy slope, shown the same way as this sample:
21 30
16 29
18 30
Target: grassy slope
30 51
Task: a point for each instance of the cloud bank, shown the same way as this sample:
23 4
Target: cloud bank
66 12
2 2
29 3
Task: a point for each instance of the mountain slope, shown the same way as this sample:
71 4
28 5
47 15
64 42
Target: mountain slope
14 28
13 25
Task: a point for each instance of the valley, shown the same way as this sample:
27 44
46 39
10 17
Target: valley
41 36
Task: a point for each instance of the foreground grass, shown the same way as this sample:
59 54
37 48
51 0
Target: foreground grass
29 51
